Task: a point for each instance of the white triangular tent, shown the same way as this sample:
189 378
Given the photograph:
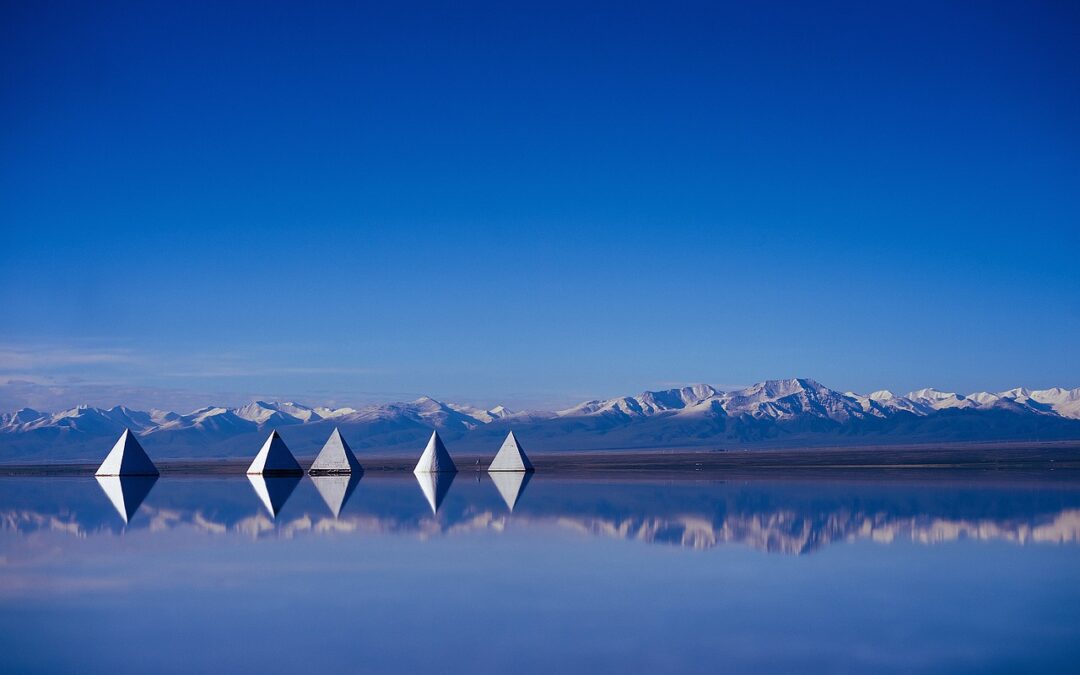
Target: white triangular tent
435 458
511 456
434 485
336 457
274 459
335 489
510 485
127 458
126 492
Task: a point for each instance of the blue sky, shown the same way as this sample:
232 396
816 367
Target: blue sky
534 203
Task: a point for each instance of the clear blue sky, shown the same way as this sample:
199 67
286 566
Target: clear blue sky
534 203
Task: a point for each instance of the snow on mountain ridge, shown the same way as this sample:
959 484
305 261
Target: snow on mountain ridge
787 399
262 413
777 400
486 416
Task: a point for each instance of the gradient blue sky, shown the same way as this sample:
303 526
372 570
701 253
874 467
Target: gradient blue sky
534 203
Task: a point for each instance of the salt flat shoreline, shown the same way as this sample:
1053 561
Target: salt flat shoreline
676 463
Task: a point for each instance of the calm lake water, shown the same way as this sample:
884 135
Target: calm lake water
945 572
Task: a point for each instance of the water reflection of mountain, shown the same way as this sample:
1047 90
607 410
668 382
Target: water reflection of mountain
796 516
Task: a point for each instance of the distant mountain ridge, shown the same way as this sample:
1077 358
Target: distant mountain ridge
771 413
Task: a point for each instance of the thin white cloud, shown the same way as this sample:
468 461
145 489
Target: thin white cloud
18 358
52 395
260 371
54 377
32 362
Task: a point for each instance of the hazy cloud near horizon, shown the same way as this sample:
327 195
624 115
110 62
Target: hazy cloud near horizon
56 377
52 395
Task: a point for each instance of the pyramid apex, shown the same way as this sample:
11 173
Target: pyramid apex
336 457
127 458
274 458
435 458
511 456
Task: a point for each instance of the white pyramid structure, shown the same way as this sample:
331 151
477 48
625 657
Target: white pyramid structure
434 485
435 458
510 485
126 492
275 459
511 456
127 458
336 457
273 491
335 489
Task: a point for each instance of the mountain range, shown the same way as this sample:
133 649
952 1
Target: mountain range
774 413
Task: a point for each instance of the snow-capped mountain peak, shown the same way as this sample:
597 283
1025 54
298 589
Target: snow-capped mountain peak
692 414
931 394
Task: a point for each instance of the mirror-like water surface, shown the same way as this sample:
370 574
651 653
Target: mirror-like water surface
532 573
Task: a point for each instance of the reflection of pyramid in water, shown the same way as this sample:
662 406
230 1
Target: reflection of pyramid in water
274 459
511 456
434 486
336 489
435 458
336 457
274 491
126 493
511 485
127 458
